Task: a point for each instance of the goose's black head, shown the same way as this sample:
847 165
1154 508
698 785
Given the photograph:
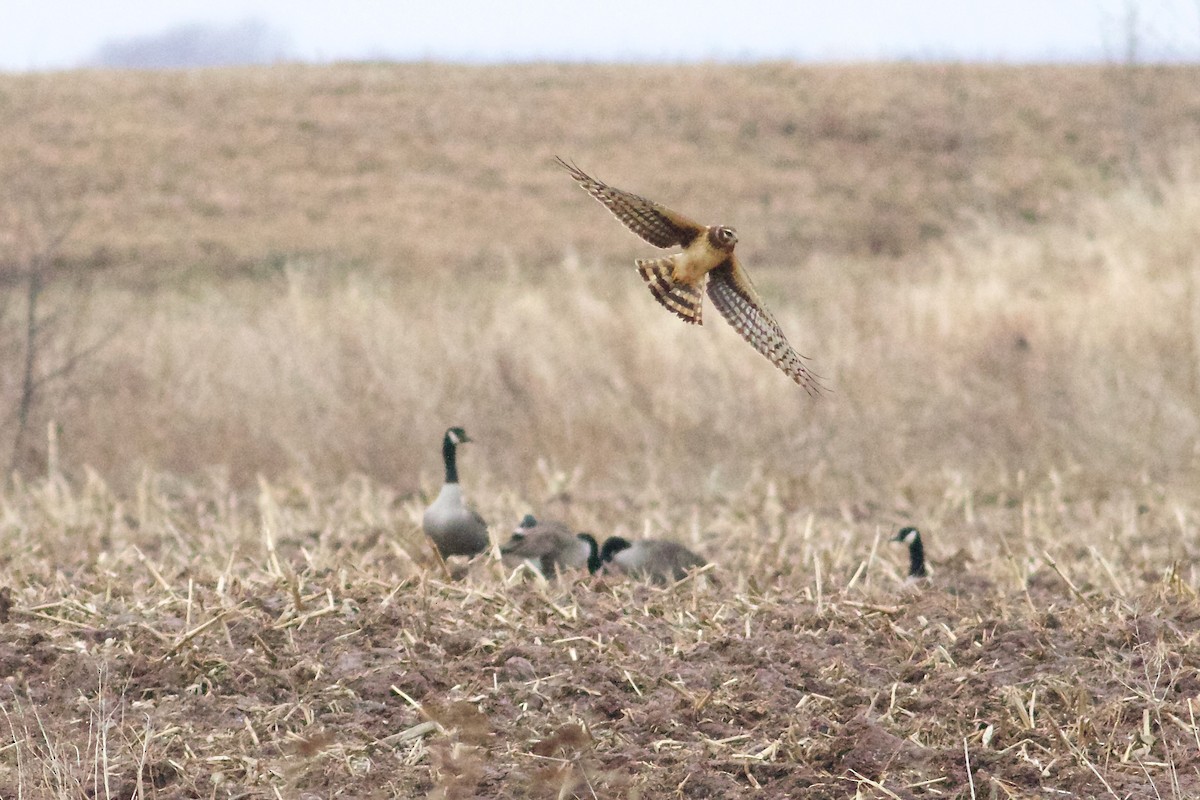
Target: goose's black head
916 551
527 522
612 546
456 436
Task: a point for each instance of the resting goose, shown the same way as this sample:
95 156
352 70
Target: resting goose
551 546
916 552
659 560
454 527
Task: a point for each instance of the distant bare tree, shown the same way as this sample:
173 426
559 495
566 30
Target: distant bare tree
43 305
1133 95
1140 38
250 41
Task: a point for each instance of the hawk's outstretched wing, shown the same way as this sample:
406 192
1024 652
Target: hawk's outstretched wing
659 226
733 294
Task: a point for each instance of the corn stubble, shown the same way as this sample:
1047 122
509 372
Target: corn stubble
295 638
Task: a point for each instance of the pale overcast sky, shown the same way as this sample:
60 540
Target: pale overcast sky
55 34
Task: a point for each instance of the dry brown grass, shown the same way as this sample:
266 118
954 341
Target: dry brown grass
1070 347
319 269
217 581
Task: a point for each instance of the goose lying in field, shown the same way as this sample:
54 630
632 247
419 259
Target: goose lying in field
916 552
661 561
551 546
955 577
454 527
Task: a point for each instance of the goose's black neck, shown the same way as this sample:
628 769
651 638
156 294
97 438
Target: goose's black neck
916 557
448 455
593 561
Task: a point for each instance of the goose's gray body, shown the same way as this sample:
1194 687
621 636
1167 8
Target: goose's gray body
454 527
659 560
549 546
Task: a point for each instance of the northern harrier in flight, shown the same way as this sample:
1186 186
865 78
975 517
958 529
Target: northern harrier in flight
707 261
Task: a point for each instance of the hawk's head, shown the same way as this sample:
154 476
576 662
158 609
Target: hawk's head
722 238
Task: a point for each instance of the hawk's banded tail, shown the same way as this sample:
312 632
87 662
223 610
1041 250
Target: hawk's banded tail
682 299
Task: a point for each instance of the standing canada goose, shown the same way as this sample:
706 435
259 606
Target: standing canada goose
551 546
916 551
658 560
455 528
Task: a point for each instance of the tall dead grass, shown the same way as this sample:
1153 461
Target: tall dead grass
350 268
1072 346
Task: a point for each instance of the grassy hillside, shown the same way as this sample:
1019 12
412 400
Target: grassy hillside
318 269
407 167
